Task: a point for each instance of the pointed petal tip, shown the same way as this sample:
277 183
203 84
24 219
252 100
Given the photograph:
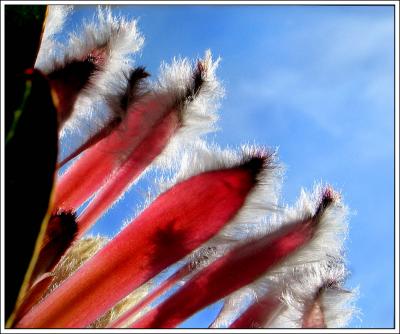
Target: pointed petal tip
66 220
328 197
198 79
135 80
60 233
138 72
257 161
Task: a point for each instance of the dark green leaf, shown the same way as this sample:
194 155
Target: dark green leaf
30 160
23 29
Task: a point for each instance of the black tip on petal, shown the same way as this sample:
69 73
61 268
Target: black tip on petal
63 225
61 232
76 72
198 80
257 162
68 82
137 74
135 78
329 196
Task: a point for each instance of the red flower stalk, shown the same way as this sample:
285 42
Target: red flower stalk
88 173
141 157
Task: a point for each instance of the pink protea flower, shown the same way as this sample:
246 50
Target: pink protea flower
216 222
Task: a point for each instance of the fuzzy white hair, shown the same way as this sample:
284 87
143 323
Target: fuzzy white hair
339 306
233 306
330 232
199 157
197 116
261 201
302 286
56 16
119 38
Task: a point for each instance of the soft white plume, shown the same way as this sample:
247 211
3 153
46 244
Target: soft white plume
172 90
56 16
260 202
118 39
330 233
197 115
304 284
298 278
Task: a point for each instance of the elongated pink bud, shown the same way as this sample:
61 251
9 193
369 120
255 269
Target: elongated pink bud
91 171
225 275
131 95
170 228
136 163
60 234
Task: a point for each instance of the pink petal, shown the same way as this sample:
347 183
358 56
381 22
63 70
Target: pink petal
171 227
91 171
104 132
238 268
119 105
135 164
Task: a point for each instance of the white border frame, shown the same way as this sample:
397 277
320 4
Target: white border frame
396 329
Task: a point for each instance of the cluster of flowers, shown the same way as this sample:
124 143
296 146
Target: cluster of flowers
217 221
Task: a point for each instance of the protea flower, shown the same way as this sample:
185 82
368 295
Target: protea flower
216 223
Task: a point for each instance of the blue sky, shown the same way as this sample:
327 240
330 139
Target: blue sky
314 81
